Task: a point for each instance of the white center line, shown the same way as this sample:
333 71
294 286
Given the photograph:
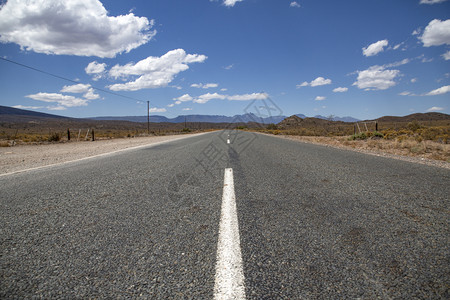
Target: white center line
228 141
229 281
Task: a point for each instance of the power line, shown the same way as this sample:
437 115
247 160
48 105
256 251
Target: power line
70 80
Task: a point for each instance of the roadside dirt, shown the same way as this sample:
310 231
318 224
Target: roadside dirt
363 147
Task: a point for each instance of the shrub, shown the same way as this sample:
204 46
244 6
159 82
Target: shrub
275 132
413 126
272 127
359 136
377 134
54 137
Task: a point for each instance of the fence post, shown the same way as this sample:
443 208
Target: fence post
93 135
68 134
376 126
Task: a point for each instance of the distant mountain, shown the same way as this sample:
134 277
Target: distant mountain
11 114
302 116
335 118
245 118
11 111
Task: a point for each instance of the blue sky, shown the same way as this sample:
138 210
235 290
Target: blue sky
359 58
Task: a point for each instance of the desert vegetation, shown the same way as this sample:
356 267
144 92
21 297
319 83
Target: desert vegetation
422 135
58 131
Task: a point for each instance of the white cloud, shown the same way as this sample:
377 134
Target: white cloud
80 88
229 67
376 78
375 48
431 1
96 69
61 100
26 107
171 105
340 90
294 4
157 110
439 91
153 72
417 31
204 86
414 80
406 93
302 84
76 89
56 107
81 28
446 55
184 98
316 82
187 109
320 81
90 95
223 90
248 97
231 3
397 46
435 108
397 63
207 97
436 33
320 98
211 96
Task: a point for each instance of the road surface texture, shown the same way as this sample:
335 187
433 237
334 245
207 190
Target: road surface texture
313 223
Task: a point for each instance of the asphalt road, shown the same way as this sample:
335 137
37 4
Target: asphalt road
314 223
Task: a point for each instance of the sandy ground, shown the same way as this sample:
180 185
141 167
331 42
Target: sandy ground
23 157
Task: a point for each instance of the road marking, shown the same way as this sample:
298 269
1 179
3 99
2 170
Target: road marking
228 141
229 281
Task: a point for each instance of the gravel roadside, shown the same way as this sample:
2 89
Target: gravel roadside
420 160
23 157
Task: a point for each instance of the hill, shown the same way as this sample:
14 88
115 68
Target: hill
11 111
424 117
297 121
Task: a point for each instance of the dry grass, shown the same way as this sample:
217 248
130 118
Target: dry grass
50 131
406 147
424 139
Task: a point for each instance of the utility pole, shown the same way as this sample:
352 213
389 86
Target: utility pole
148 117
